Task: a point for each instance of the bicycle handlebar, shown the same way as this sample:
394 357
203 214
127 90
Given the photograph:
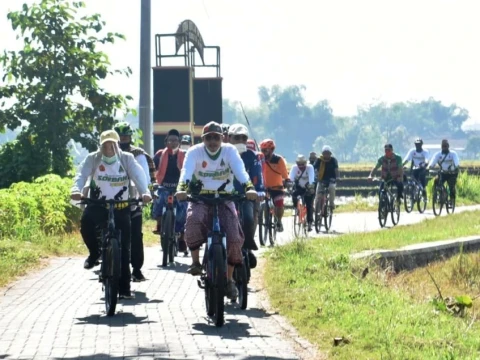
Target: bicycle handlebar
208 199
88 201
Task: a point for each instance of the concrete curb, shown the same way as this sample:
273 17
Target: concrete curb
418 255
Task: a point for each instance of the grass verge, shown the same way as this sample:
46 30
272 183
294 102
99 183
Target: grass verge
374 316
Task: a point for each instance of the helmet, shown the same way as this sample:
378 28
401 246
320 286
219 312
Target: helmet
186 138
225 128
238 129
418 141
267 144
301 159
123 129
326 148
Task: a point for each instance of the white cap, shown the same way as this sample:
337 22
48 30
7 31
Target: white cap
326 148
238 129
301 158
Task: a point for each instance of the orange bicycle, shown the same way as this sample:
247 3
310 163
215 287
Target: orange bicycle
300 217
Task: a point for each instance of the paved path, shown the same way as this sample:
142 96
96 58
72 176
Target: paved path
58 313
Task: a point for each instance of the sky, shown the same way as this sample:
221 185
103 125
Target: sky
349 52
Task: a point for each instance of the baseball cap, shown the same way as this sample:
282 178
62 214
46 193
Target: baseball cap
109 135
186 138
212 128
238 129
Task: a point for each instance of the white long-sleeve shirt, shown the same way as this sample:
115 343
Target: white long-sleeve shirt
448 162
418 157
213 173
308 175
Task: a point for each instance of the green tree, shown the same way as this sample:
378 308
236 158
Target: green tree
55 79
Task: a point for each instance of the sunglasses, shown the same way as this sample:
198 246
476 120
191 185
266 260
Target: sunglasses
240 137
211 137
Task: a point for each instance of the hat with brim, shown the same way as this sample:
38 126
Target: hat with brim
212 128
109 135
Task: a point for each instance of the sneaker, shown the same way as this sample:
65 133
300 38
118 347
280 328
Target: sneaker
252 260
128 295
195 269
232 291
185 254
90 262
279 227
137 276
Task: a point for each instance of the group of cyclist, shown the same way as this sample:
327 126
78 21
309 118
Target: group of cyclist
225 161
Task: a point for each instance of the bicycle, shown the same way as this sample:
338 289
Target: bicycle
300 217
267 223
111 250
241 273
214 265
323 209
414 194
441 197
388 203
168 238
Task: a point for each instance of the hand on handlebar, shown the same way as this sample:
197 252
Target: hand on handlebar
251 195
181 195
76 196
146 198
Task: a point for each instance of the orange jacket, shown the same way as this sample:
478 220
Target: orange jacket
275 171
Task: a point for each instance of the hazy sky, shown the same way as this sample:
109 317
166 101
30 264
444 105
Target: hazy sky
350 52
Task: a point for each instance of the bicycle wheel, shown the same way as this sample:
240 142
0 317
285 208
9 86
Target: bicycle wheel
382 209
409 198
437 201
327 215
240 276
111 275
219 282
167 234
172 249
318 216
261 224
395 209
297 225
272 234
267 224
421 201
449 203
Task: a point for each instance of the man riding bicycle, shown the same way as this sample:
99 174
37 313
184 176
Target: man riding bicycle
169 164
327 173
302 175
125 132
448 161
274 174
419 160
238 136
392 170
111 171
208 167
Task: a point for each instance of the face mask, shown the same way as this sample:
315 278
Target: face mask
109 160
184 147
124 146
241 148
418 148
212 153
444 150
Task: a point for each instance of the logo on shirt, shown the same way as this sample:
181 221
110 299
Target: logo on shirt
101 167
222 163
120 170
204 164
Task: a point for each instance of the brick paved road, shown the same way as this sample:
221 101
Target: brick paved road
58 313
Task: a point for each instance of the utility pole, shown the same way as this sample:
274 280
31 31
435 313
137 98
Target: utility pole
144 112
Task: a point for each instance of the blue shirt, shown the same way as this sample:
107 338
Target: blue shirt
254 170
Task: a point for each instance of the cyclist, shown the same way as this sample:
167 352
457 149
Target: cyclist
111 171
274 174
169 164
312 158
392 169
419 160
302 174
447 160
185 142
238 136
125 132
252 145
326 167
210 166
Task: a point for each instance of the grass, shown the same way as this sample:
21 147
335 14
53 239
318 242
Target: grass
376 316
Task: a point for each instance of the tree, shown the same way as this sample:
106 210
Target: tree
55 79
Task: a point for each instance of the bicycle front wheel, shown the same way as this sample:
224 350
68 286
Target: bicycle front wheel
318 216
327 215
395 210
111 275
166 236
409 198
437 201
421 201
261 225
382 210
450 203
297 224
240 276
219 283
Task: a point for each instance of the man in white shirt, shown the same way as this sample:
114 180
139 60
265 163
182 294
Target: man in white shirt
302 175
448 161
209 166
419 160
